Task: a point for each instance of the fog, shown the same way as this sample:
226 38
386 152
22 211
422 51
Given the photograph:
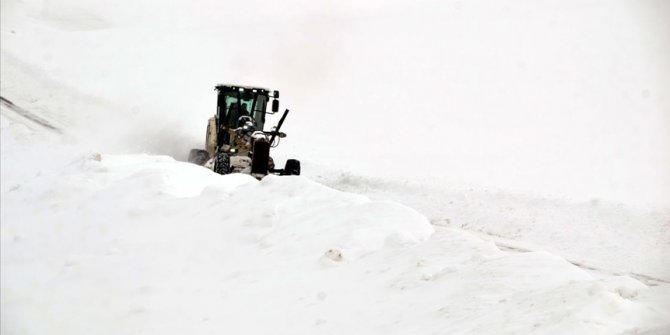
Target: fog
567 99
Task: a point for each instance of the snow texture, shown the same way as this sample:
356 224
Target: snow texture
104 230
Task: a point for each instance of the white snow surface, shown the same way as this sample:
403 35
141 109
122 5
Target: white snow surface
146 244
103 230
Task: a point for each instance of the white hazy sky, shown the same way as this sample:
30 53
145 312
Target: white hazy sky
558 98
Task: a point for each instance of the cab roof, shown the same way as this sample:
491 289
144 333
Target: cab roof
234 87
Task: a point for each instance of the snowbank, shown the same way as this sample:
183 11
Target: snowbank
145 244
101 235
612 237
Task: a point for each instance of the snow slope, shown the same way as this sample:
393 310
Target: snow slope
612 237
553 98
146 244
102 231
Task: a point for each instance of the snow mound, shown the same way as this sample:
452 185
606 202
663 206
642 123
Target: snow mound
117 244
147 244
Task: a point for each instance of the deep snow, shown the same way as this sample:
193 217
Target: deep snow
146 244
612 237
102 232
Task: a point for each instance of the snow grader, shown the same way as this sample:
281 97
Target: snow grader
236 141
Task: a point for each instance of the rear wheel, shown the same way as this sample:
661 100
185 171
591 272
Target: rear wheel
222 163
292 167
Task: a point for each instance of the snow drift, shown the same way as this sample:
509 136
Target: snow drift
99 234
146 244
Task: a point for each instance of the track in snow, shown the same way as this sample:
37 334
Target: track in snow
28 115
507 245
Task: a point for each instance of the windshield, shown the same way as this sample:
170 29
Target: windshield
243 103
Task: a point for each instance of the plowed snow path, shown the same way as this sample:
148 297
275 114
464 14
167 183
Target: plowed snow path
612 237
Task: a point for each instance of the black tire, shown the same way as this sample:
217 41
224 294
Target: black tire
292 167
222 164
261 157
197 156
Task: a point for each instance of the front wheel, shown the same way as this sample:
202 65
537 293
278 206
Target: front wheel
222 163
292 167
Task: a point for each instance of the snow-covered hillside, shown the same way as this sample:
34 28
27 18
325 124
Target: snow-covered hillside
469 167
146 244
566 99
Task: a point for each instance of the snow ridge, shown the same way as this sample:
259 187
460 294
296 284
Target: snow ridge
144 243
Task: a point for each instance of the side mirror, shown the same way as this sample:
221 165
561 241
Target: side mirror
275 94
275 105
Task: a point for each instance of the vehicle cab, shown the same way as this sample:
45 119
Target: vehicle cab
233 103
